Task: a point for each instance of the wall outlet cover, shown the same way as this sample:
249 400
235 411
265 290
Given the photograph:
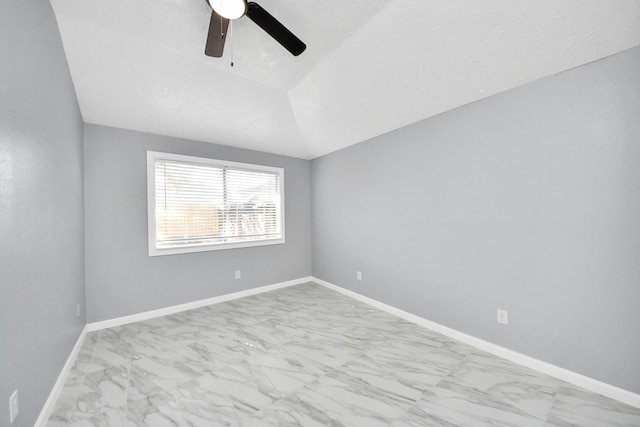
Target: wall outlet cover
503 317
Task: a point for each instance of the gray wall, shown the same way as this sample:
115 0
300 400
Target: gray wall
527 201
41 208
121 277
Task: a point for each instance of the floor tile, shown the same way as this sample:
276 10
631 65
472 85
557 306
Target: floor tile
577 407
460 406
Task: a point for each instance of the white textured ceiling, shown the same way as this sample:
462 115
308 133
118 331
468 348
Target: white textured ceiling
371 66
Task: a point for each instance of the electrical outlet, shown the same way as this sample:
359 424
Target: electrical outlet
78 310
503 317
238 274
359 275
13 406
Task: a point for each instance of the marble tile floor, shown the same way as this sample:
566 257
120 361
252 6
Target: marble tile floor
309 356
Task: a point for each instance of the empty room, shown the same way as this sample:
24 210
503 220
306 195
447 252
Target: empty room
381 213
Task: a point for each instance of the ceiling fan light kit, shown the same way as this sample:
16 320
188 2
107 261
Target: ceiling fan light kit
225 10
230 9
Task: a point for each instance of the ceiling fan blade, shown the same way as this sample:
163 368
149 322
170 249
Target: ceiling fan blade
275 29
217 35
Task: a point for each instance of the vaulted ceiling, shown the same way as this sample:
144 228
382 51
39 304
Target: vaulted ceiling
371 66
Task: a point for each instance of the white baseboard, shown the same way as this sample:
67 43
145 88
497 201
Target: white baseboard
574 378
579 380
47 409
146 315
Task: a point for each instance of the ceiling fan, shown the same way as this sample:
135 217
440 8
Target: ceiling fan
225 10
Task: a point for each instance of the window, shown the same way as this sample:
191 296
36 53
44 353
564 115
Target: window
198 204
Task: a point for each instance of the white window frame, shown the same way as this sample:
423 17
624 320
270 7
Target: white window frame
152 156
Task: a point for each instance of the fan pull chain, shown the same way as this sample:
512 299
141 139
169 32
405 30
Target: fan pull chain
222 34
230 40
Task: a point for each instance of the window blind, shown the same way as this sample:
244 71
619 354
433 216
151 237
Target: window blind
205 204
